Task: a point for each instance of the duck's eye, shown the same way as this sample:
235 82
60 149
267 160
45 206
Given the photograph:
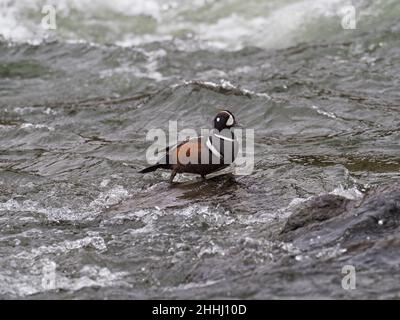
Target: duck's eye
218 119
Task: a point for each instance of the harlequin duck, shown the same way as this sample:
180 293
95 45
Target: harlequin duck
205 154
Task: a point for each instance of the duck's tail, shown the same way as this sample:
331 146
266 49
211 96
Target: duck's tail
154 168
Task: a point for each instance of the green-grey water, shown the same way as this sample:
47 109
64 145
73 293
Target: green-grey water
76 104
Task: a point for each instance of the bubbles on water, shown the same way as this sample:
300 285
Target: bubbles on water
299 258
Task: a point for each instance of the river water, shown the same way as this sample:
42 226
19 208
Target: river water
78 221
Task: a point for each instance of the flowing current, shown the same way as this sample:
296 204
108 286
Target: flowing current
76 102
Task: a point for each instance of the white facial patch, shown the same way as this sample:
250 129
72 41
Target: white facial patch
218 119
230 121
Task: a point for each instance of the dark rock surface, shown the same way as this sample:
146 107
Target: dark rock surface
334 219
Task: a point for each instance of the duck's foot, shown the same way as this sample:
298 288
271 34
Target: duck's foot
171 178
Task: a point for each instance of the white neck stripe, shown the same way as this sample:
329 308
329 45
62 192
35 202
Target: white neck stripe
212 149
224 138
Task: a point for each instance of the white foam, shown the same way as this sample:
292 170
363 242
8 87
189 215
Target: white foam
11 27
207 24
225 85
104 183
109 198
324 113
94 241
104 200
331 252
21 285
210 250
31 126
191 285
351 193
149 70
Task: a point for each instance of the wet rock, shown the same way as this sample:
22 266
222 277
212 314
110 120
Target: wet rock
316 210
328 220
377 215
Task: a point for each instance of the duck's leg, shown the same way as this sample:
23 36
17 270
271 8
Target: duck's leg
171 178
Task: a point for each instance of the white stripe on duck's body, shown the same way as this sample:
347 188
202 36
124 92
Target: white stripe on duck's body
205 154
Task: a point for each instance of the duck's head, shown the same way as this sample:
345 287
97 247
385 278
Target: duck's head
225 120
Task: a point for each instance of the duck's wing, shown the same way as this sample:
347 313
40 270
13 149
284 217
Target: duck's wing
166 153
